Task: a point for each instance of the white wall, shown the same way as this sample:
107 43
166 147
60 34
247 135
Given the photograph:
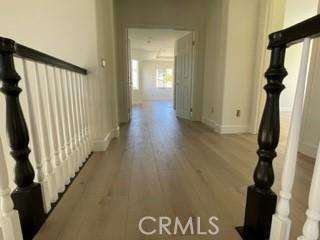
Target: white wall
178 14
230 61
75 32
295 12
215 51
240 59
147 80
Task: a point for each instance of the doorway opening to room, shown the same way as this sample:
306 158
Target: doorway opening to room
274 18
161 68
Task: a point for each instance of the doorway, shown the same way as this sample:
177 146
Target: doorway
277 15
160 65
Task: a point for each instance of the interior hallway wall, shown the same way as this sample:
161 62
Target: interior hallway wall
174 14
214 64
230 63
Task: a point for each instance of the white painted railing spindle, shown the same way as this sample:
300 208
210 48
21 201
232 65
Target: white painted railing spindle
53 128
76 121
65 122
70 123
41 176
43 126
86 112
79 116
83 131
311 227
72 126
76 104
281 222
83 115
10 223
60 126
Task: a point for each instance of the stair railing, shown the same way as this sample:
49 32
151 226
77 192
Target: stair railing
261 210
57 100
9 219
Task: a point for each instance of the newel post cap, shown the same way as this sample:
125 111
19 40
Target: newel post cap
7 45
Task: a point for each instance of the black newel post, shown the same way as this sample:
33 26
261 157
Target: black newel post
27 196
261 200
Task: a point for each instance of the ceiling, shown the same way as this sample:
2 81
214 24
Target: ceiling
153 44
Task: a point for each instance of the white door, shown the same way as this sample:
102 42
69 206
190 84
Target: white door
183 74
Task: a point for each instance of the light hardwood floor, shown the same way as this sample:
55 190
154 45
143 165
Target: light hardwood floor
162 166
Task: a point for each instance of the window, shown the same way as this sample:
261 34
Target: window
135 74
164 77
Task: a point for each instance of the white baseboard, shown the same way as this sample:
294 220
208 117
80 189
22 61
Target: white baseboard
233 129
225 129
308 149
210 123
102 145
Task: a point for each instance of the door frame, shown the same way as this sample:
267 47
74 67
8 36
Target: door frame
194 89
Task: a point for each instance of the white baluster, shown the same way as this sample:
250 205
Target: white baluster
86 108
73 125
311 227
281 222
65 122
84 116
81 132
43 126
10 222
68 94
53 129
60 126
35 137
79 115
76 120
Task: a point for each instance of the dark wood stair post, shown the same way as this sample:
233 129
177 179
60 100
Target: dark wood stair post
261 200
27 196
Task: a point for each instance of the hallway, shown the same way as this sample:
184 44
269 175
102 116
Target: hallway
163 166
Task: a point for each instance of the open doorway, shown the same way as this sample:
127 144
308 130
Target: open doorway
295 12
161 68
279 15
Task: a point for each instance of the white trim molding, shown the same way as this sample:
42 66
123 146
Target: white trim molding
103 144
232 129
210 123
225 129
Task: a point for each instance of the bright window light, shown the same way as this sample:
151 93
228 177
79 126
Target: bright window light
164 77
135 74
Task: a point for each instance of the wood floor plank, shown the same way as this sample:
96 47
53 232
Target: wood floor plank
164 166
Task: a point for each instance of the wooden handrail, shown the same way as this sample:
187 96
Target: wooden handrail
296 33
32 54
